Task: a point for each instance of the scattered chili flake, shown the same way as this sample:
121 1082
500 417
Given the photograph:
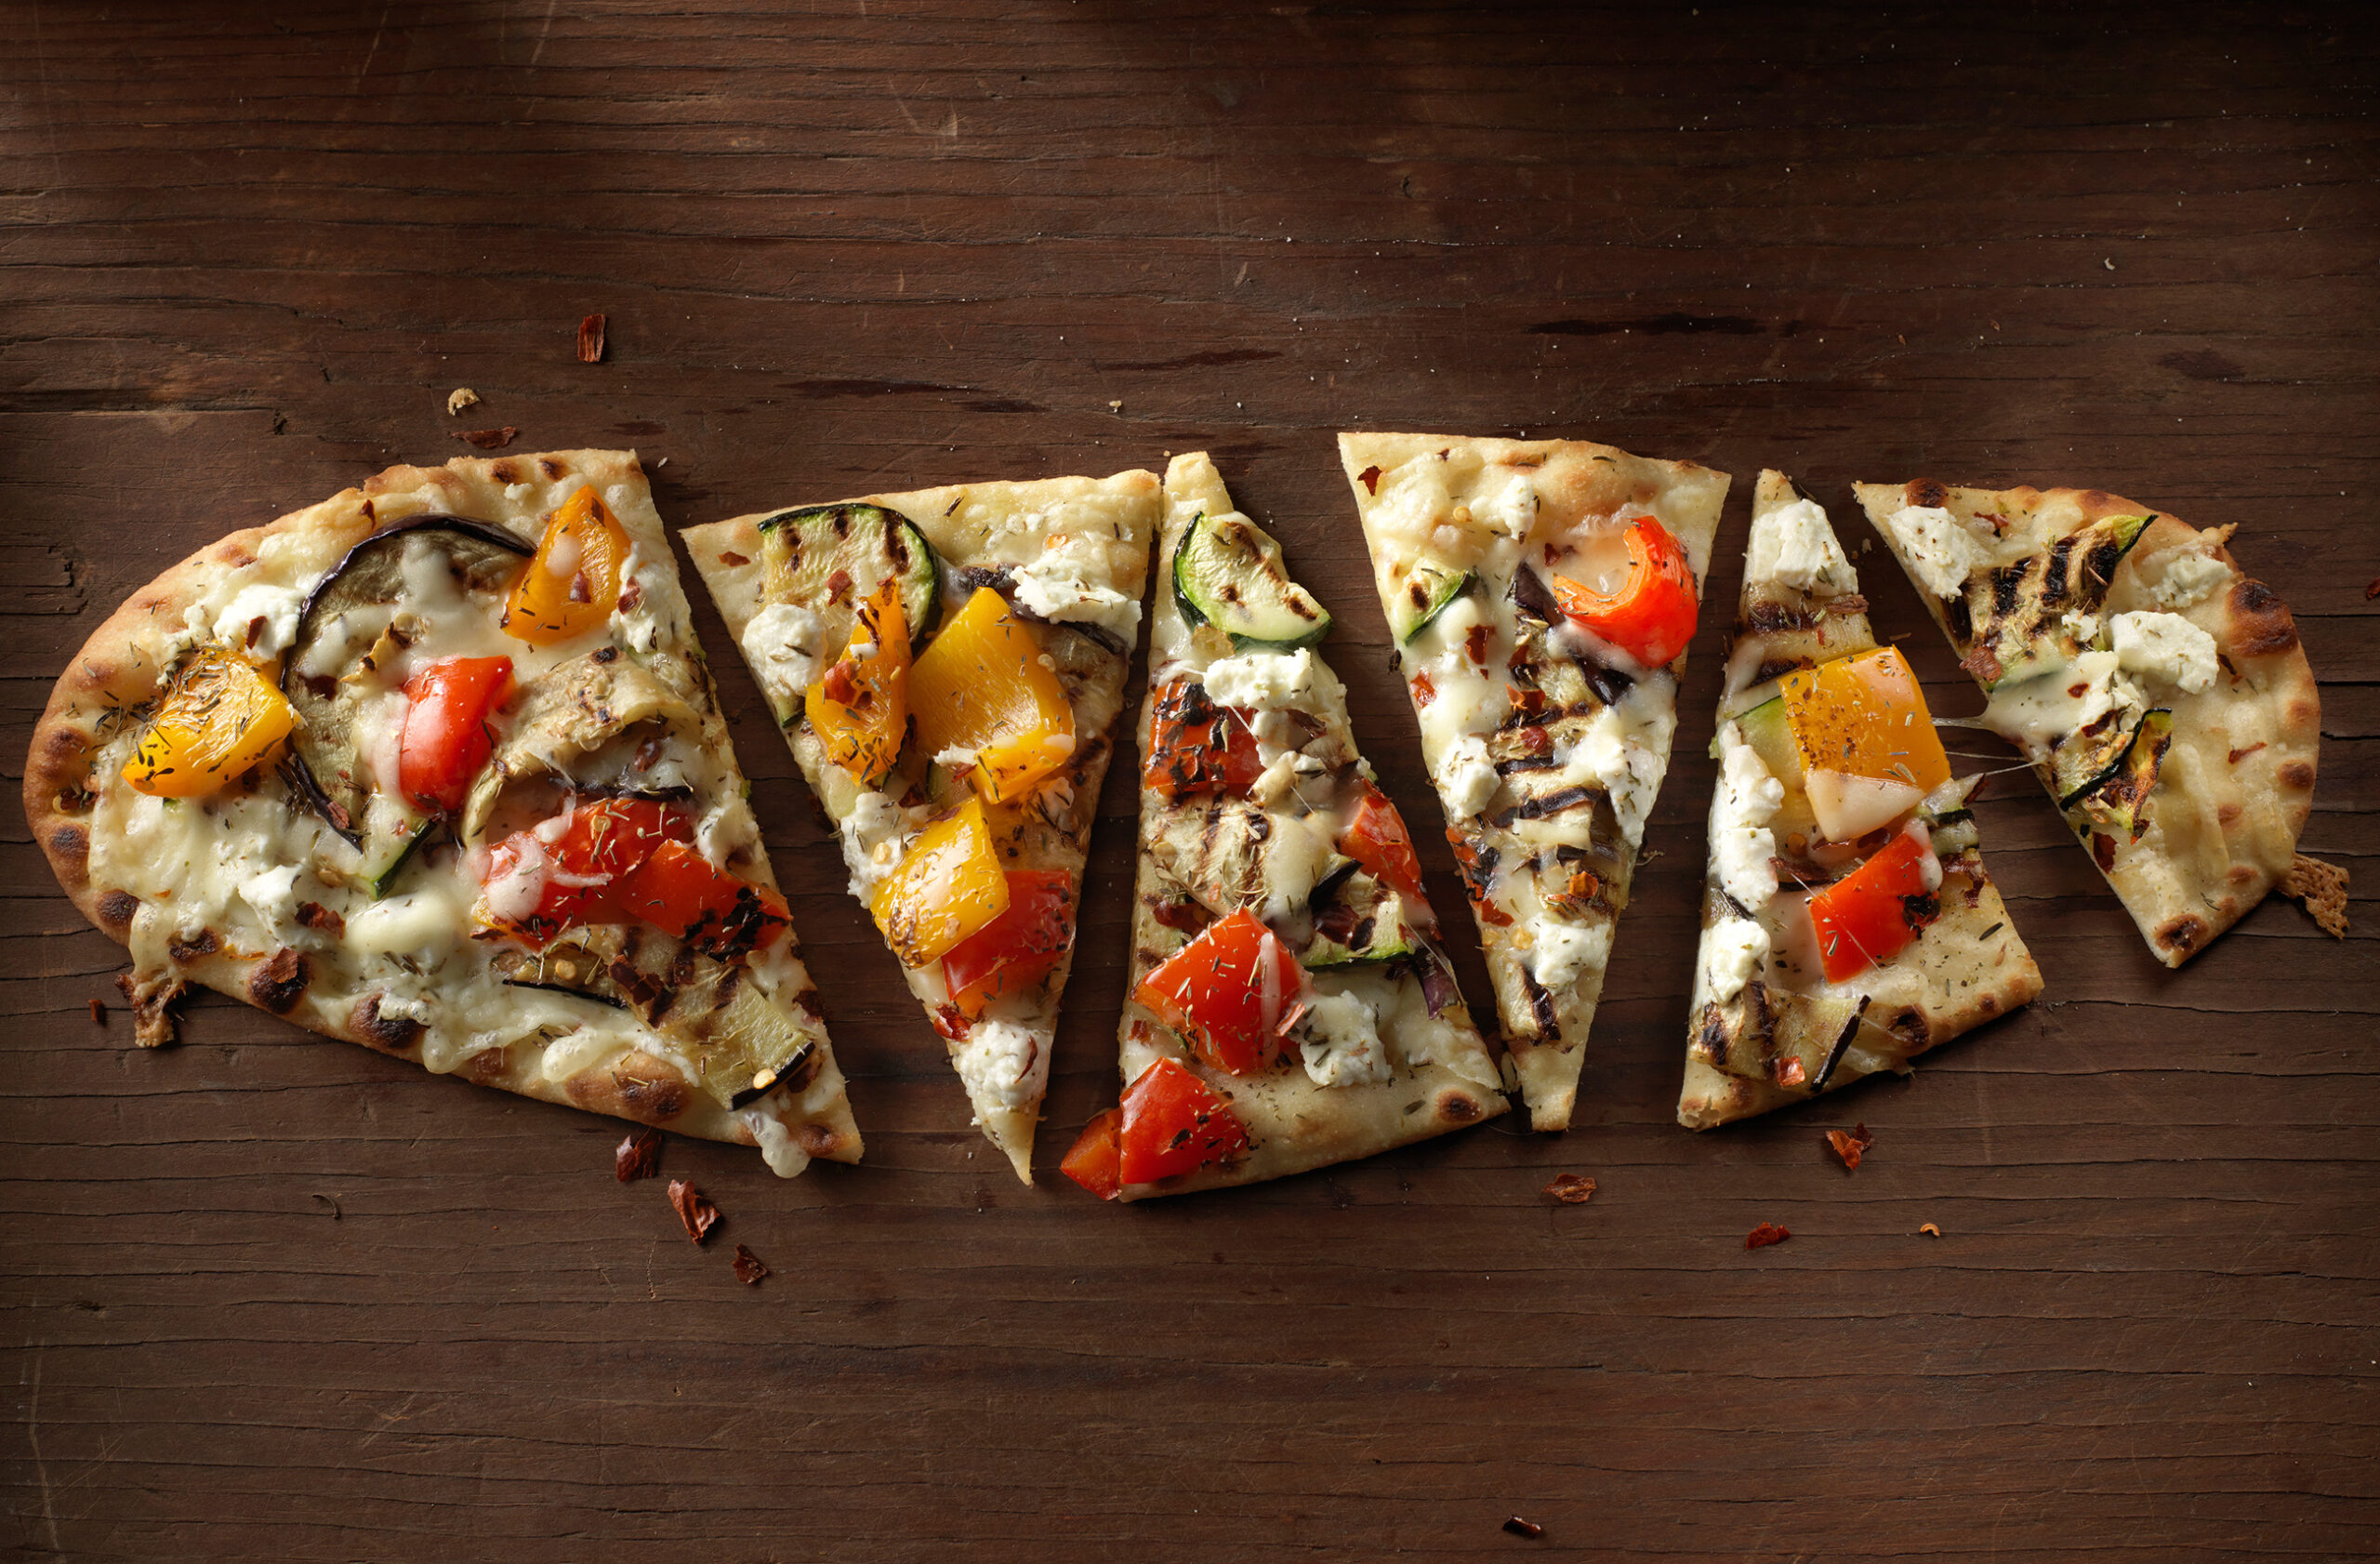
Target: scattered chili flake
2373 590
487 439
637 1157
1520 1528
590 339
1851 1145
1764 1235
950 1021
748 1269
1370 478
729 556
99 1014
315 915
1931 1231
698 1214
1573 1190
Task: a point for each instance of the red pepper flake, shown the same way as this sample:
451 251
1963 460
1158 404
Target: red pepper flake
1520 1528
1573 1190
950 1021
2373 590
748 1269
1851 1145
1475 644
1370 478
487 439
315 915
729 556
2103 852
637 1157
1425 689
99 1014
1764 1235
590 339
698 1214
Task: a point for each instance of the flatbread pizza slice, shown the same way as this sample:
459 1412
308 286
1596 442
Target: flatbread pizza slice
2159 693
946 666
1848 923
1541 594
1288 1008
435 766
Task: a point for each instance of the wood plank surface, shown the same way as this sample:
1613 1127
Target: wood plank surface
267 1297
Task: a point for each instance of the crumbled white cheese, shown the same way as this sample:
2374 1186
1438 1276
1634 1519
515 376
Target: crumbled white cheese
724 827
872 833
1741 844
640 627
1467 777
277 606
420 926
2189 579
1623 751
1263 681
1005 1065
1511 509
782 645
1941 552
1734 951
2164 647
1065 583
1795 546
785 1159
2083 628
274 894
1563 952
1340 1042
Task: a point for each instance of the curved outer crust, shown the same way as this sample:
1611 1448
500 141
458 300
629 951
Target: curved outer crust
118 669
1293 1124
1581 479
956 519
2238 782
1969 968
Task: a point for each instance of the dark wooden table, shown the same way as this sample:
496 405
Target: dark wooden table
267 1297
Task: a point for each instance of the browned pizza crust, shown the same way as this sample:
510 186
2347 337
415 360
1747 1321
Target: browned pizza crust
105 688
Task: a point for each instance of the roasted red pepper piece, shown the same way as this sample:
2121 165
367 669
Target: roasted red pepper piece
1870 915
1197 746
1171 1125
1095 1159
1017 949
1376 838
680 891
445 740
1226 992
1651 615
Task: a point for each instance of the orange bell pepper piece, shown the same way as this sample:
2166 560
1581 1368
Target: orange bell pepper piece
1865 716
948 886
218 718
859 707
573 582
984 686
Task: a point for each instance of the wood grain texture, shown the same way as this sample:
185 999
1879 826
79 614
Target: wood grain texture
267 1297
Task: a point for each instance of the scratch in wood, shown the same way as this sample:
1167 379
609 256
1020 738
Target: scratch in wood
33 1439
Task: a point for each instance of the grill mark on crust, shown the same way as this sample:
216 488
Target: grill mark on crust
390 1033
2261 622
280 981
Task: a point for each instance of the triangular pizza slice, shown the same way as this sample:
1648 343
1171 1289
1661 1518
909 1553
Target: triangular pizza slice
1541 594
435 766
1288 1008
1848 924
2159 693
946 666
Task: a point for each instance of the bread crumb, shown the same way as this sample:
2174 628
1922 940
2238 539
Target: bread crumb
460 398
2321 888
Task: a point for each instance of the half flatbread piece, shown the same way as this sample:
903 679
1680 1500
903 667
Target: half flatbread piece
1287 1007
1848 924
1541 594
945 666
2161 694
435 766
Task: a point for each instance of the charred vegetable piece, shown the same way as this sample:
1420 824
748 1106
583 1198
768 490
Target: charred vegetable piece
747 1042
948 886
2015 614
1172 1125
1018 949
218 717
985 688
445 739
2118 798
1227 572
347 630
1197 746
1226 992
859 708
1358 918
1096 1161
1873 913
1426 592
843 553
1651 614
542 881
682 893
573 584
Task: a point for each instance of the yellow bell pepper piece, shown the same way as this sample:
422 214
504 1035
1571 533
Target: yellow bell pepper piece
218 718
985 685
859 707
573 582
948 886
1864 716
